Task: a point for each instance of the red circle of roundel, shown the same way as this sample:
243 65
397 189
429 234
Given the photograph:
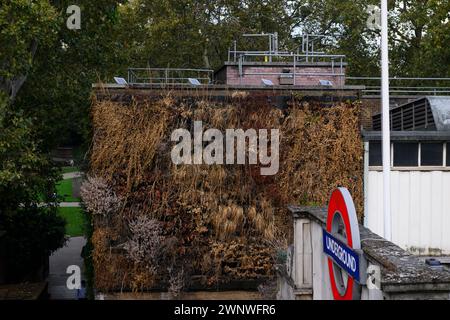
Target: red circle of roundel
338 205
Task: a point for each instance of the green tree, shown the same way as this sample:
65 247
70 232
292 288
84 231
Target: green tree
190 33
27 177
418 30
58 94
423 30
24 25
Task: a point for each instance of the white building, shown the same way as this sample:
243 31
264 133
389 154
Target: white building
420 177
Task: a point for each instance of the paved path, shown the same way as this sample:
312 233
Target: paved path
62 204
59 261
69 255
70 205
72 175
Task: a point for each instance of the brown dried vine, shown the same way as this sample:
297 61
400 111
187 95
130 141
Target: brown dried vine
217 220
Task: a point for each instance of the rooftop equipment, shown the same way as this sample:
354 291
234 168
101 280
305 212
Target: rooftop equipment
325 83
267 82
121 81
427 113
194 82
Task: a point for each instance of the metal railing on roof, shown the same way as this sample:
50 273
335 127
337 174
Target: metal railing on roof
306 54
442 87
336 64
169 76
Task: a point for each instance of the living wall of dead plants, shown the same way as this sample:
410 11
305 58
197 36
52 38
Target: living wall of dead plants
219 222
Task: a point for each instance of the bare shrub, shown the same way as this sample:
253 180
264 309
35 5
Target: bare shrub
98 197
176 283
146 241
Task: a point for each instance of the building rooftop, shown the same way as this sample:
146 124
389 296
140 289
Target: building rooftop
426 113
412 136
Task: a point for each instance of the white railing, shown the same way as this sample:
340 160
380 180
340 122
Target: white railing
441 88
169 76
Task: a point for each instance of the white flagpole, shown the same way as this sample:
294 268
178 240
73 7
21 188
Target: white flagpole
386 121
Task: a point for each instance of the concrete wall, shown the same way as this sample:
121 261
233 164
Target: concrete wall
420 207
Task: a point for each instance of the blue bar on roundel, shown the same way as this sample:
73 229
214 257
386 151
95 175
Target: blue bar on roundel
342 255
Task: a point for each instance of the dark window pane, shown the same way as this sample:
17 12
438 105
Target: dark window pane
406 154
448 153
375 158
431 154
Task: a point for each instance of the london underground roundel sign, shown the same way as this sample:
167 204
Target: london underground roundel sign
341 243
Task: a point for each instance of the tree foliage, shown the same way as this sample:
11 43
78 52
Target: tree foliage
418 33
188 33
23 26
27 177
57 95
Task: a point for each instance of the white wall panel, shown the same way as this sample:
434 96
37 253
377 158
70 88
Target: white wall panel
420 206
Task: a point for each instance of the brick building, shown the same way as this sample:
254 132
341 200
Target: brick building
306 74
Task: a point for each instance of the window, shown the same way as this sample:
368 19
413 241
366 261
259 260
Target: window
406 154
431 154
412 154
375 158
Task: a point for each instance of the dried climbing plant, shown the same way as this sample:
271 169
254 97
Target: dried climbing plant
227 222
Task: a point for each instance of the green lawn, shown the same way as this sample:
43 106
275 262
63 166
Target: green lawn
75 221
64 189
74 216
